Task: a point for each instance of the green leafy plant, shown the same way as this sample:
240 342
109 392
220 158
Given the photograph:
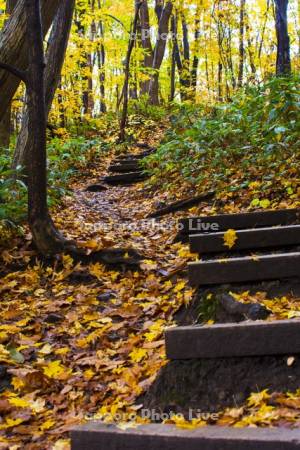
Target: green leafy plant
256 134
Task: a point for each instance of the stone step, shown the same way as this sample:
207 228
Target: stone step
97 436
223 222
250 239
135 155
125 178
124 168
125 161
240 270
234 340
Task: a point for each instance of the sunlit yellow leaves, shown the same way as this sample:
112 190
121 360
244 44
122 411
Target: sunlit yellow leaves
155 331
4 354
264 203
17 383
18 402
46 349
47 425
62 444
259 398
88 374
127 425
138 354
180 286
9 423
56 370
181 422
184 252
230 238
97 270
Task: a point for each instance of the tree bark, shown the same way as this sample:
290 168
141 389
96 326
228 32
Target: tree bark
101 62
131 43
45 236
146 45
173 59
54 58
5 123
14 47
241 44
194 74
159 52
283 61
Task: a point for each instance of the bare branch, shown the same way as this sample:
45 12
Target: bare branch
14 71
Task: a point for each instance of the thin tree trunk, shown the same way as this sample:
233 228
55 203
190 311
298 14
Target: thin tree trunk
101 63
14 47
220 81
131 43
159 52
186 73
283 61
194 74
250 48
173 59
260 47
241 45
55 57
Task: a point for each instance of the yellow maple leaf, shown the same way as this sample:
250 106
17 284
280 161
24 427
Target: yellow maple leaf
62 444
230 238
17 383
47 425
179 286
138 354
54 369
88 374
257 399
19 402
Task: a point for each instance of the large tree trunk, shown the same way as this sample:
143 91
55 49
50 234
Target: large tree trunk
283 62
5 123
159 52
14 47
5 129
146 44
54 58
45 236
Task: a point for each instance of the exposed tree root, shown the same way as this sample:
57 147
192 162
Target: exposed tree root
50 242
182 204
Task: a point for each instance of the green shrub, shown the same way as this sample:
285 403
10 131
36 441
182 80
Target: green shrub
231 145
65 159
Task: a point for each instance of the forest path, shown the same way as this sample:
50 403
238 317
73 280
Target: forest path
86 341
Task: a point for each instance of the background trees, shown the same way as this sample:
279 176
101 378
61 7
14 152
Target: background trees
219 46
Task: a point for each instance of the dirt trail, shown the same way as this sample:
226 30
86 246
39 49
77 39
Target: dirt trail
81 342
89 340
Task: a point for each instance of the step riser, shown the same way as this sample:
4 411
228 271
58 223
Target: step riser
165 437
247 240
125 178
124 169
234 340
225 222
240 270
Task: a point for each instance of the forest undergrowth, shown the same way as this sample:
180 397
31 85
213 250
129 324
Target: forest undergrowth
78 341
